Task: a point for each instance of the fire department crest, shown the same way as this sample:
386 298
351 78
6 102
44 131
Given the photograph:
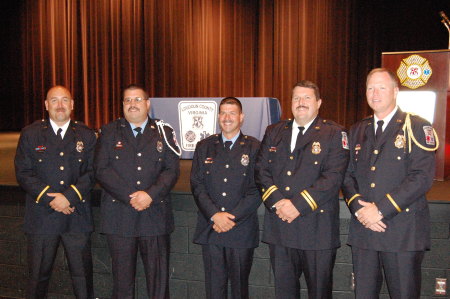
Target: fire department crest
197 122
245 160
400 141
159 146
80 146
316 148
414 71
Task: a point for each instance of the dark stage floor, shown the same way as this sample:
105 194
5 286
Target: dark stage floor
440 191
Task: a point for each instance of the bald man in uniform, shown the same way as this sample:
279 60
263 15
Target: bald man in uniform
54 165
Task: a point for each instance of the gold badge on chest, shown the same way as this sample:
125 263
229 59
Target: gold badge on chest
245 160
400 141
80 146
159 146
316 148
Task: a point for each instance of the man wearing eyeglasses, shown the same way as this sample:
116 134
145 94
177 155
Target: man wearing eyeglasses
54 165
137 164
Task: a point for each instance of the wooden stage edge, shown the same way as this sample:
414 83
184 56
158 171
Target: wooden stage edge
439 193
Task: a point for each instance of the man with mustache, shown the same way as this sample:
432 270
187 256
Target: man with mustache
300 167
137 164
392 165
54 165
222 180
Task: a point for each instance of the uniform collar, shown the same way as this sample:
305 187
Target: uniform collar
55 127
386 120
233 140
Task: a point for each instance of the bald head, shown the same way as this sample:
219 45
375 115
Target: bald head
59 104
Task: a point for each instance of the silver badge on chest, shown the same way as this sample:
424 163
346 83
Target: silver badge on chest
159 146
245 160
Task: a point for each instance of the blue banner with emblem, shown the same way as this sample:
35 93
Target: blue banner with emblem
194 119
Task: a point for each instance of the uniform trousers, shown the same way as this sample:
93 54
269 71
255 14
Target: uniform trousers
41 251
223 263
154 252
401 269
289 264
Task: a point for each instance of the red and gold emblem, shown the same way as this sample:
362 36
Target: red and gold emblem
414 71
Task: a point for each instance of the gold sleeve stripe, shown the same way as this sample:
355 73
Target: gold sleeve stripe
268 192
78 192
42 193
393 202
309 200
352 198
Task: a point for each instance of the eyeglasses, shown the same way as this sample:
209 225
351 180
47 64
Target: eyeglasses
136 100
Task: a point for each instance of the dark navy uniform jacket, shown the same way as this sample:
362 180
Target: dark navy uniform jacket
123 166
223 180
45 164
395 180
310 177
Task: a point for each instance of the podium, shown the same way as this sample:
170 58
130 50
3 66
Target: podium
424 78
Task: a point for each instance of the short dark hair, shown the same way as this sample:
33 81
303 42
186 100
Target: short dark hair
309 84
231 101
383 70
133 87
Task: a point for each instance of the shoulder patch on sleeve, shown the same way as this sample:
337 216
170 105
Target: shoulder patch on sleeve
429 136
344 140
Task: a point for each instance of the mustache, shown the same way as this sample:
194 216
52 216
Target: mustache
60 110
133 108
302 106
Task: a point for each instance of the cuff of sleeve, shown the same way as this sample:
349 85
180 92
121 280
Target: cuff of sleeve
38 198
154 194
353 204
72 195
271 196
305 203
389 207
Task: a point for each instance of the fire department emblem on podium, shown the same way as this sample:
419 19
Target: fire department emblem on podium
414 71
197 122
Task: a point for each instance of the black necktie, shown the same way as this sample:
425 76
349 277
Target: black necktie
139 133
58 133
228 145
299 136
379 129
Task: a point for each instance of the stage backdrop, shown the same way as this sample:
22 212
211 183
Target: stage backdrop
194 119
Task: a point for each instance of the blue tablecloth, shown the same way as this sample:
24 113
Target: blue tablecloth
194 119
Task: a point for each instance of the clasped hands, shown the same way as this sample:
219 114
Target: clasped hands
369 217
223 222
286 210
140 200
60 203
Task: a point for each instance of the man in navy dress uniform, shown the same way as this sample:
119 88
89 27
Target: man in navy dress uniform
222 181
300 167
137 165
392 164
54 165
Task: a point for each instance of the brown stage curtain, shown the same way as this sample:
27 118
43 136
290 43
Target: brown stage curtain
186 48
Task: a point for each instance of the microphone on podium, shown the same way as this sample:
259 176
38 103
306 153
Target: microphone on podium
446 23
444 17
